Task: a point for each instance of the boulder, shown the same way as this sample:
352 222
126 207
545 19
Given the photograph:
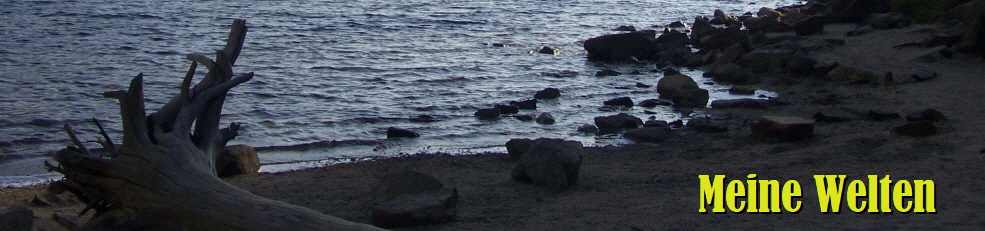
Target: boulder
948 35
393 132
722 39
616 123
655 123
621 47
17 219
548 93
934 54
524 117
768 13
741 103
545 118
507 109
731 54
642 85
516 147
651 103
741 90
550 163
237 160
926 115
966 13
400 182
765 24
705 124
723 19
673 39
427 208
810 25
854 11
800 65
625 28
670 85
889 20
784 128
526 104
488 113
730 73
916 129
847 73
619 101
770 58
588 128
825 118
548 50
881 115
677 24
701 28
649 134
606 72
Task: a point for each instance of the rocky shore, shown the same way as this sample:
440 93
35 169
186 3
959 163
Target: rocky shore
863 90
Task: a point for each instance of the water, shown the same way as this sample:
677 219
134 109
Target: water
331 76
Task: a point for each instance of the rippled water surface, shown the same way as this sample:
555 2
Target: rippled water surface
331 76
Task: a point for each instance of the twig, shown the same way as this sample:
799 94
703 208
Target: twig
75 139
109 142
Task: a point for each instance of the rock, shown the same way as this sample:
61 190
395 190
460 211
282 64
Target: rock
731 54
620 101
768 13
488 113
524 117
401 182
651 103
705 124
237 160
676 124
822 118
916 129
741 103
730 73
887 21
948 35
545 118
722 39
673 39
765 25
516 147
742 90
642 85
722 18
588 128
560 74
548 50
854 11
767 59
606 72
656 123
550 163
625 28
616 123
548 93
837 42
677 24
670 85
526 104
934 54
393 132
649 134
859 31
701 28
507 109
846 73
923 75
17 219
427 208
691 97
784 128
966 13
800 65
621 47
810 26
881 115
926 115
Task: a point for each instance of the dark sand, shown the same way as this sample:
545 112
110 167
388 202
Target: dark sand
655 186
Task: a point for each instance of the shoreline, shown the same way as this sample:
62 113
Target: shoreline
651 186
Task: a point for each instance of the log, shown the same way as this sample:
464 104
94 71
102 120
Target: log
163 175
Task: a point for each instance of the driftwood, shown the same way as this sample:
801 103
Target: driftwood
162 176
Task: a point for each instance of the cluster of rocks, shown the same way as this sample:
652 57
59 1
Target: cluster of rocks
407 198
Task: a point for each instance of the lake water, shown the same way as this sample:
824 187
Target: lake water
331 76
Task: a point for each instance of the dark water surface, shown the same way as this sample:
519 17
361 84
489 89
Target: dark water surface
331 76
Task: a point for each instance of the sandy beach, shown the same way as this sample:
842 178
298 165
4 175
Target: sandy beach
655 186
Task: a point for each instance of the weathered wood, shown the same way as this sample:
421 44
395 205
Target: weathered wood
163 175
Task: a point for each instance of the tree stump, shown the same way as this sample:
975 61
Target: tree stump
163 175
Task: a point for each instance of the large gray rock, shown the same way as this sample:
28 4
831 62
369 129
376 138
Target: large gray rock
550 163
619 101
516 147
425 208
394 132
767 59
548 93
701 28
724 38
16 219
784 128
622 47
810 25
488 113
237 160
649 134
545 118
507 109
530 104
401 182
689 96
671 85
588 128
730 73
854 11
765 24
616 123
673 39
